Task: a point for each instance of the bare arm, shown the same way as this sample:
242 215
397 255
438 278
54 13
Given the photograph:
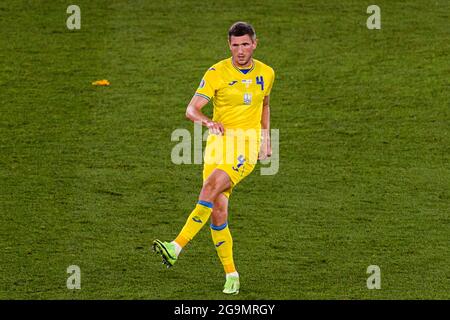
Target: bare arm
194 113
266 149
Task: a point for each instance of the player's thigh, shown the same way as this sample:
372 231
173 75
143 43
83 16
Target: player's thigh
217 182
213 180
208 168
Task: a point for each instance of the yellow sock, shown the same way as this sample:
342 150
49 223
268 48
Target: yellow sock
224 245
195 222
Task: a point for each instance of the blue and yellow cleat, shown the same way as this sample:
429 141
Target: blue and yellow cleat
167 252
231 285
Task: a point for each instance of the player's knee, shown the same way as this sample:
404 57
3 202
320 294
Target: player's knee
210 189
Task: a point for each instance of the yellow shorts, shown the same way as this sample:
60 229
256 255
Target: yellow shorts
236 155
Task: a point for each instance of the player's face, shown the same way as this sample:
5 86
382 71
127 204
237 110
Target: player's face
242 50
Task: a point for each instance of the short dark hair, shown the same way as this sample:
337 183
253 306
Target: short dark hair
240 28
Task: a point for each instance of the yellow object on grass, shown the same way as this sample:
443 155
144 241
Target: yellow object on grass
101 83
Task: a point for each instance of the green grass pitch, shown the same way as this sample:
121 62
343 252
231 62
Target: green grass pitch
86 176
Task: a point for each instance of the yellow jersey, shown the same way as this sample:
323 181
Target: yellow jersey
237 94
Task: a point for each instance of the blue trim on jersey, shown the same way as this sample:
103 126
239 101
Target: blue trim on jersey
205 203
218 228
202 95
244 71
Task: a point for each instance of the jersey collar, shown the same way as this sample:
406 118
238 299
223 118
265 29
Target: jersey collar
239 70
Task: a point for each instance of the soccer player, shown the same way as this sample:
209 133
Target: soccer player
239 88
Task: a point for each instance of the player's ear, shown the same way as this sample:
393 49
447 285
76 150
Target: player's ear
255 43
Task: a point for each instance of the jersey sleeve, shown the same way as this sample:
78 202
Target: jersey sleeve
271 80
209 84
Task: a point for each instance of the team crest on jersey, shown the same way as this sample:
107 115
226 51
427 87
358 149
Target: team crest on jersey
247 98
202 84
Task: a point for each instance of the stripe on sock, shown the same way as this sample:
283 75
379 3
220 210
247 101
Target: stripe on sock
205 203
218 228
